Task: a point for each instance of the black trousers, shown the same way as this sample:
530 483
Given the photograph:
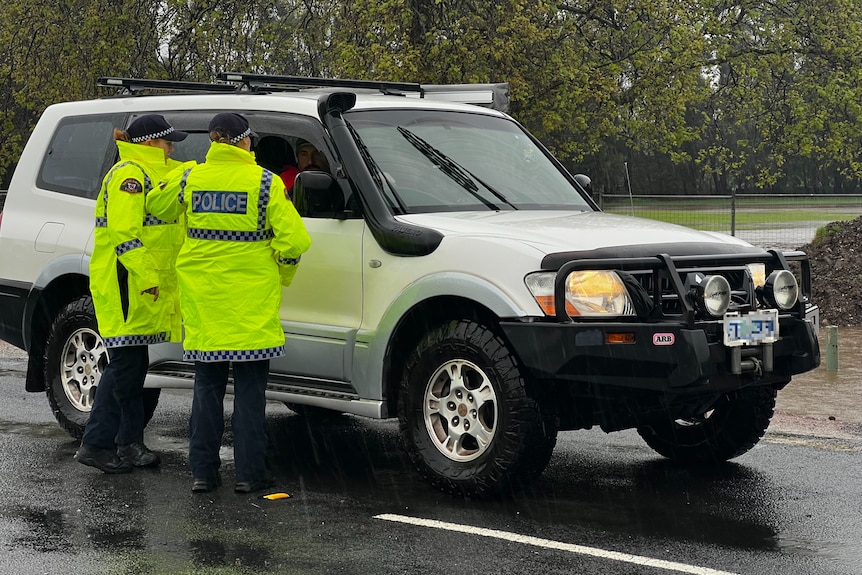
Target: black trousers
117 417
206 426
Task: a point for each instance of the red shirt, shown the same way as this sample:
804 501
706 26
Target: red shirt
288 176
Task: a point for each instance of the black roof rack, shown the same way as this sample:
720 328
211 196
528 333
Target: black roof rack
493 95
271 81
134 86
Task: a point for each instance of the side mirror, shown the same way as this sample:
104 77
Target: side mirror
585 182
317 195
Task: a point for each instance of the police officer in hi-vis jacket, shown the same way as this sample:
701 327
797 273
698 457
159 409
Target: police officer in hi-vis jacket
133 284
243 242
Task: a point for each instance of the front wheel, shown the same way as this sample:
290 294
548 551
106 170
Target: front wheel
732 426
467 421
75 357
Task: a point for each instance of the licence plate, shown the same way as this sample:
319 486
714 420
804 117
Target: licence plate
750 329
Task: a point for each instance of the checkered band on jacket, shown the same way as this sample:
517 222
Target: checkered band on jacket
233 355
128 340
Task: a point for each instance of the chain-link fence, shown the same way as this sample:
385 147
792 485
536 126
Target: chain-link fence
767 220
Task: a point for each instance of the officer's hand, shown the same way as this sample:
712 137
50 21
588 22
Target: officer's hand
154 291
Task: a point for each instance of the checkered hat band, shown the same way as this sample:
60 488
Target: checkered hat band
245 134
154 136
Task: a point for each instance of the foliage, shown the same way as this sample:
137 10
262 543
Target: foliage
54 49
825 233
663 96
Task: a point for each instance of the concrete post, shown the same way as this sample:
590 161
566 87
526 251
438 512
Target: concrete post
831 348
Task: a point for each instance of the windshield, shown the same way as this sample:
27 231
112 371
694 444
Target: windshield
434 161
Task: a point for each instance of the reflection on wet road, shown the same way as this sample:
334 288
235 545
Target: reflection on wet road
783 508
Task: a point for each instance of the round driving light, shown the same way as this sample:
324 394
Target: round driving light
713 295
781 290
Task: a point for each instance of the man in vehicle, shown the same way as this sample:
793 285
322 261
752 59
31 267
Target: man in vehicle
308 157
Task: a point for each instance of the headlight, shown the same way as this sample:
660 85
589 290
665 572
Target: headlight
588 293
712 295
781 290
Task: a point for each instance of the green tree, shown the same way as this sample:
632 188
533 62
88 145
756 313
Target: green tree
54 50
693 96
201 38
556 91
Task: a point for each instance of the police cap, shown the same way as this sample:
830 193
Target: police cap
153 127
232 125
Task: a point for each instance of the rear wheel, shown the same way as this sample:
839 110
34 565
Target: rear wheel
466 418
732 426
75 357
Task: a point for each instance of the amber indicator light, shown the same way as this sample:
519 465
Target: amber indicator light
619 337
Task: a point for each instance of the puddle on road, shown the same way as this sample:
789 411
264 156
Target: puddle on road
823 394
14 372
47 530
32 429
839 552
216 553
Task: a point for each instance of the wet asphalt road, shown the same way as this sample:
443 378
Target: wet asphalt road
606 505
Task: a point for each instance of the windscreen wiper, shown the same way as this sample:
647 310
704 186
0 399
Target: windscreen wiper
464 177
376 171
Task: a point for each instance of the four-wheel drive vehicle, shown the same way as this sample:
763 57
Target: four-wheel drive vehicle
460 279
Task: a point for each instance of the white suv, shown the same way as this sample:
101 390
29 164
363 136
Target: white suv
460 279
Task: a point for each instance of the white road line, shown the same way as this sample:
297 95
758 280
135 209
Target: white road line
549 544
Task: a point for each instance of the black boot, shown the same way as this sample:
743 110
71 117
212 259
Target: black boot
252 486
106 460
138 455
201 485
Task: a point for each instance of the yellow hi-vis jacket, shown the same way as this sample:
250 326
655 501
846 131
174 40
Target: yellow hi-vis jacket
134 251
243 241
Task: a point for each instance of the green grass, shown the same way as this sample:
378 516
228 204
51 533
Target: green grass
822 235
714 214
718 221
685 202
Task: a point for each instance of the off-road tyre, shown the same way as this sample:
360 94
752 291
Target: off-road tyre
733 425
519 437
75 357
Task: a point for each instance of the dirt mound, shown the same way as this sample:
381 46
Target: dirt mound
836 270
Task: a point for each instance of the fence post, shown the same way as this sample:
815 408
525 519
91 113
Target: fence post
733 212
831 348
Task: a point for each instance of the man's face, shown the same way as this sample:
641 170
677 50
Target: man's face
309 157
304 156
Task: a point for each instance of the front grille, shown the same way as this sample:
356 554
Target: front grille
739 278
662 282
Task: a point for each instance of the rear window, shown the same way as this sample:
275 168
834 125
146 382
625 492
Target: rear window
81 150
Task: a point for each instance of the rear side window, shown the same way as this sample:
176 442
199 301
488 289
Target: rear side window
80 153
